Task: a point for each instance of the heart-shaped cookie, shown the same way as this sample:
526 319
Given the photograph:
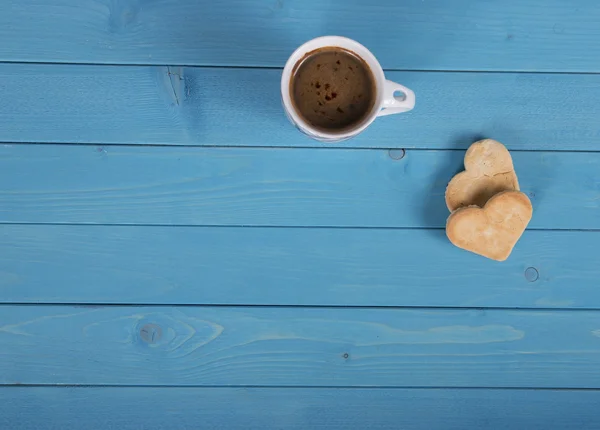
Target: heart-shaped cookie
488 171
494 230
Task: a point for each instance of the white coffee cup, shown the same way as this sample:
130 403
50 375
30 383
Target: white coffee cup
386 102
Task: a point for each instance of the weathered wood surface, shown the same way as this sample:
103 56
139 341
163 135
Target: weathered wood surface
290 266
166 179
272 187
287 346
242 107
188 408
538 35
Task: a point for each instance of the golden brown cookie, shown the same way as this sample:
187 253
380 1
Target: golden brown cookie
488 171
494 230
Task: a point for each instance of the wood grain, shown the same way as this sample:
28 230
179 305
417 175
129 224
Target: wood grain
272 187
45 408
197 262
223 346
241 107
283 266
538 35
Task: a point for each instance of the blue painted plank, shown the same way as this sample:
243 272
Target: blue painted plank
272 187
123 408
208 346
410 34
283 266
241 107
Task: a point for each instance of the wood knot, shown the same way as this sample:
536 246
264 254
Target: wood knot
151 333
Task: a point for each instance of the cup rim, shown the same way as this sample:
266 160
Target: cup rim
340 42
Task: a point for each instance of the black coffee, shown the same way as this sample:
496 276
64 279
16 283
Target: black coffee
333 89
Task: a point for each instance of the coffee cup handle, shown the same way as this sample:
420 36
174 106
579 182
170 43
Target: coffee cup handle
396 104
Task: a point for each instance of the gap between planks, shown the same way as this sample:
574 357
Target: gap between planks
99 305
302 387
259 226
325 147
253 67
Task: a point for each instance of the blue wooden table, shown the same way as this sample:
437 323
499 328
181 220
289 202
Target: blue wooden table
175 255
